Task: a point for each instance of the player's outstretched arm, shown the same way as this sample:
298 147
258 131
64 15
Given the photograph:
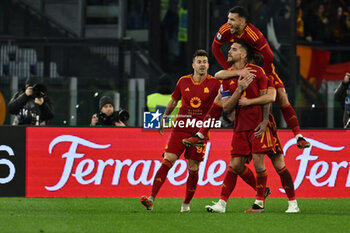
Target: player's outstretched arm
169 109
227 74
219 56
269 97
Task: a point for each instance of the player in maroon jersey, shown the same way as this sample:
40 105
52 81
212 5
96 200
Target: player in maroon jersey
246 140
237 27
197 92
276 155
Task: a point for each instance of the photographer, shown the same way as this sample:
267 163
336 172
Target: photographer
31 105
342 95
107 115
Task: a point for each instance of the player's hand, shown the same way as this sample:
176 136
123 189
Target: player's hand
39 101
29 91
347 78
119 123
218 98
244 82
243 101
161 129
246 72
261 128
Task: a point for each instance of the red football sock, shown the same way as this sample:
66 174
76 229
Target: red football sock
287 183
214 112
229 184
248 176
291 118
191 185
160 177
261 185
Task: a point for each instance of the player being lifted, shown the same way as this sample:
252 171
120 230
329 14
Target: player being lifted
237 27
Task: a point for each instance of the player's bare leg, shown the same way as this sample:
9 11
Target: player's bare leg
290 117
159 179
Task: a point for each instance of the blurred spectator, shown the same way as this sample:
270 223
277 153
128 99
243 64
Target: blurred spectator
338 25
317 25
342 95
31 105
160 99
107 116
300 21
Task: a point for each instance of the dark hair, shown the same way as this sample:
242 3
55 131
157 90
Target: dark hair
200 53
246 48
241 11
257 59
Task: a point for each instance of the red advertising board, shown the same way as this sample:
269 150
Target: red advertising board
121 162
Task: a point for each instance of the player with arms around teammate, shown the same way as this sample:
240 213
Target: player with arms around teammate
197 92
248 139
237 27
276 156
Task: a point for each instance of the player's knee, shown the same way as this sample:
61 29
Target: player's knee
170 157
278 164
193 166
237 168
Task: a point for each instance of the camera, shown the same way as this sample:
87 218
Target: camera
39 90
120 115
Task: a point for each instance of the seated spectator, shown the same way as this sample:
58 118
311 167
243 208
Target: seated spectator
31 105
342 95
107 116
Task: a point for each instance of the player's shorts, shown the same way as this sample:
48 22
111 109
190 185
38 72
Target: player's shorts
274 76
245 143
175 146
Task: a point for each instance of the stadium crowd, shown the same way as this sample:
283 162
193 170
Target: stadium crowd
330 22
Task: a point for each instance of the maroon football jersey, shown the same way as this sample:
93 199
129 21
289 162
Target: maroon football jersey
196 97
252 36
248 117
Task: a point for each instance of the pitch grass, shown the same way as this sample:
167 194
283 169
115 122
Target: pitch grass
95 215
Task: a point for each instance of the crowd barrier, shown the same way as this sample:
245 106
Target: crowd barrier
121 162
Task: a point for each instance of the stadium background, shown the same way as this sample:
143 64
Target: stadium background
83 49
122 48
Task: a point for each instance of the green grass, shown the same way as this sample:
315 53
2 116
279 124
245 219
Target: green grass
127 215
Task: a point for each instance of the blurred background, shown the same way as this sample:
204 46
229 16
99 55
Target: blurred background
84 49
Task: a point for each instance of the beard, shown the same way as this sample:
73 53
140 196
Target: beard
230 61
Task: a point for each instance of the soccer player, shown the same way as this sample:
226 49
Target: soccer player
276 157
248 140
197 92
237 27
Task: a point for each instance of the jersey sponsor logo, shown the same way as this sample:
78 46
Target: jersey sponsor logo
206 90
218 36
151 120
187 89
195 102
